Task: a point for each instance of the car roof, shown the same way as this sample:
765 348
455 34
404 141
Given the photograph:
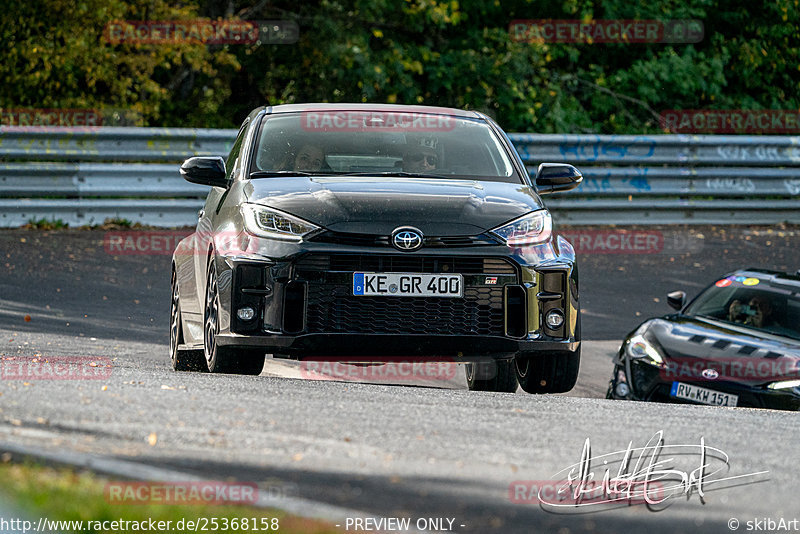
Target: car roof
775 277
396 108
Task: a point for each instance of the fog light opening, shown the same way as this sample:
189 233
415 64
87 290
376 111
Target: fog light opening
245 314
622 389
554 319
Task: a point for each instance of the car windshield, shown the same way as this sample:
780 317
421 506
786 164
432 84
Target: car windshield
403 144
751 302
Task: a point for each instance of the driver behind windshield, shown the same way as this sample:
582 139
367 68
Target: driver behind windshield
757 312
421 155
760 312
308 158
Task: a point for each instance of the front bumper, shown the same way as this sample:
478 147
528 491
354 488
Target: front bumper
394 346
304 304
646 382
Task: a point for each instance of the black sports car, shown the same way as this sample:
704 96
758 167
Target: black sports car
736 344
367 233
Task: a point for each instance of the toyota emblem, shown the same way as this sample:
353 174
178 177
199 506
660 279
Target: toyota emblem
407 239
710 374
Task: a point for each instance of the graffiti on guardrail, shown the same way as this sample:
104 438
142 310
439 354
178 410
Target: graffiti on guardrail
607 181
792 185
746 153
641 147
740 185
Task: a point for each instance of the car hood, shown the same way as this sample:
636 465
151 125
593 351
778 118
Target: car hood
378 205
737 353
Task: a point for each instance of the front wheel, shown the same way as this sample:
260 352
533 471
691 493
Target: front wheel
224 359
552 372
182 359
492 375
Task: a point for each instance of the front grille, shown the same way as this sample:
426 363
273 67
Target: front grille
645 378
403 263
333 309
373 240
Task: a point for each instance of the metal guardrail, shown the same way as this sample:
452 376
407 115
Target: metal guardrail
85 177
136 145
72 174
668 179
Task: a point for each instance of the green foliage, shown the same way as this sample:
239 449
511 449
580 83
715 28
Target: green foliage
46 224
54 55
432 52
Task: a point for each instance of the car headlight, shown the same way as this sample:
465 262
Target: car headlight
535 227
786 384
639 348
268 222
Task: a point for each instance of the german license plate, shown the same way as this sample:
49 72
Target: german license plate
408 285
702 395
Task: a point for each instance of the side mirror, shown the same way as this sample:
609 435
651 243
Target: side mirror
676 300
205 170
555 177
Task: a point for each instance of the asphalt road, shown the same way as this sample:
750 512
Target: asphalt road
426 448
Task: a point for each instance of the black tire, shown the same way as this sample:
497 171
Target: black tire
182 359
494 375
552 372
224 359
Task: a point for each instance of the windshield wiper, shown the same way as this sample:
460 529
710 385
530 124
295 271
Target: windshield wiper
707 317
403 174
273 174
750 327
782 334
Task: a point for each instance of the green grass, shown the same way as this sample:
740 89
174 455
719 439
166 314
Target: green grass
120 223
45 224
116 224
64 494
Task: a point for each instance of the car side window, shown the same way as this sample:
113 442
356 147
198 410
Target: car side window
232 163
